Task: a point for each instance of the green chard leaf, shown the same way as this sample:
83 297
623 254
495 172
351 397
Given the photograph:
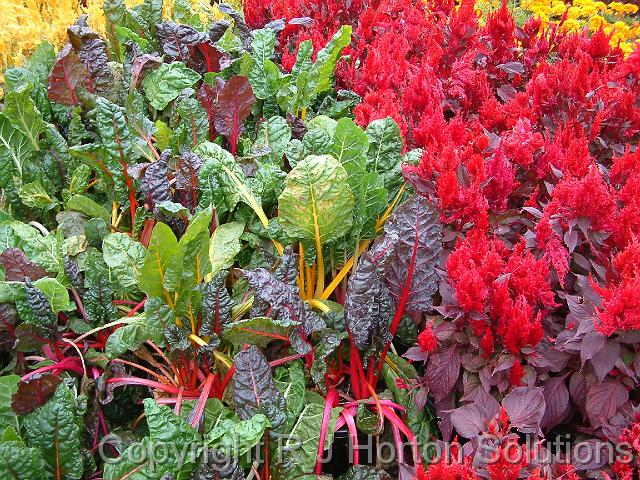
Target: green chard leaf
162 248
223 183
164 428
164 84
317 203
54 429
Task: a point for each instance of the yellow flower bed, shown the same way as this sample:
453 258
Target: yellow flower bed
26 23
617 19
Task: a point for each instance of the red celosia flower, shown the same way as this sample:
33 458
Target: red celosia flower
447 471
427 340
516 373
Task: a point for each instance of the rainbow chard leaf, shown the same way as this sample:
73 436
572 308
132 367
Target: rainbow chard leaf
286 305
254 390
162 248
216 305
18 462
164 428
17 266
164 84
34 393
223 183
369 304
235 101
176 39
205 57
317 202
92 52
67 75
54 428
416 232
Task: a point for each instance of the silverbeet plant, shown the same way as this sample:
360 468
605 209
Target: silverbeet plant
201 250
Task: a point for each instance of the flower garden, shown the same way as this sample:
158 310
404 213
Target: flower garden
319 240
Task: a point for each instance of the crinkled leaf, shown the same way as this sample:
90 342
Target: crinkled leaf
175 40
124 256
300 450
8 386
254 390
291 382
18 462
164 84
56 293
216 305
369 305
164 428
284 301
223 183
317 203
238 437
35 196
54 428
92 52
385 145
21 110
350 145
412 276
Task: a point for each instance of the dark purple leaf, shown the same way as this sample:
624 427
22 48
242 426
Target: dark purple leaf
579 385
487 403
443 411
34 392
216 305
30 337
285 303
468 420
525 407
591 344
416 354
512 67
66 75
603 401
287 267
176 38
556 396
155 183
411 275
442 372
217 30
591 454
298 127
368 305
604 361
506 92
233 107
17 266
92 52
254 390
